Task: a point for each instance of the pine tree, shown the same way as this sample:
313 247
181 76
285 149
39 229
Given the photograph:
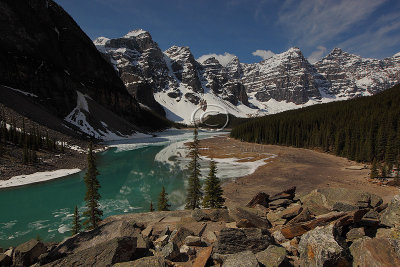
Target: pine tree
194 193
397 177
383 170
374 170
151 206
76 223
212 189
163 201
93 213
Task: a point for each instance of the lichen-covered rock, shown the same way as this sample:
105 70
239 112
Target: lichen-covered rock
322 247
314 202
391 215
170 251
273 256
198 215
241 259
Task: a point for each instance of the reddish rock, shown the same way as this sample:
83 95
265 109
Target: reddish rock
298 229
202 258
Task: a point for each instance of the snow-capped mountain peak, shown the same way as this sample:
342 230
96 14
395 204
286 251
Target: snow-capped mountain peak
174 83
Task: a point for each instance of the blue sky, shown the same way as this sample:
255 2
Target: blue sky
249 29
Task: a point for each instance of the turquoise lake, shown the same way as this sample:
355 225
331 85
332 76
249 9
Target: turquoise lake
132 174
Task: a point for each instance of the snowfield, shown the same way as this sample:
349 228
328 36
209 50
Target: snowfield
37 177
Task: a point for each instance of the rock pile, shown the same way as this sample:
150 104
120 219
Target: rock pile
327 227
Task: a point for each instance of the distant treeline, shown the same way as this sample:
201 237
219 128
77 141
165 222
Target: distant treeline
361 129
30 141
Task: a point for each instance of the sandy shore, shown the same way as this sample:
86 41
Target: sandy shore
303 168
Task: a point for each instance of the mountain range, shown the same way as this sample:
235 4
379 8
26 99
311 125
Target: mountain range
174 82
51 66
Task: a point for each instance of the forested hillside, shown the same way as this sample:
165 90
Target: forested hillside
361 129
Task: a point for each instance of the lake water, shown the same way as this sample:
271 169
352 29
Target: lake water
132 173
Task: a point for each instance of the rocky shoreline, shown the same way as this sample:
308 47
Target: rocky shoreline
327 227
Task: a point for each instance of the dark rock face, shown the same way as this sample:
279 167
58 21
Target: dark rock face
248 219
49 56
28 253
287 76
5 260
232 240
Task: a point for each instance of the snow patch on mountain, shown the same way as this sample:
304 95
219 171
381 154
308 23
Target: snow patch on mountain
223 59
135 33
79 118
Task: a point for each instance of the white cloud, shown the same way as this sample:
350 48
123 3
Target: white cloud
317 54
312 22
223 59
264 54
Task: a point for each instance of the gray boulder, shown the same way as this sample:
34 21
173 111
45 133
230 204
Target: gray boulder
234 240
198 215
355 233
120 249
375 252
322 247
321 201
273 256
170 251
241 259
178 236
28 253
391 215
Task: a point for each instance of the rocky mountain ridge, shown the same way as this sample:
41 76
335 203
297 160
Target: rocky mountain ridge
54 65
181 84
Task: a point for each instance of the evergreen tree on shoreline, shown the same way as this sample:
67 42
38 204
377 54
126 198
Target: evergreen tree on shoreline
163 201
76 223
151 206
212 189
194 193
374 170
93 212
